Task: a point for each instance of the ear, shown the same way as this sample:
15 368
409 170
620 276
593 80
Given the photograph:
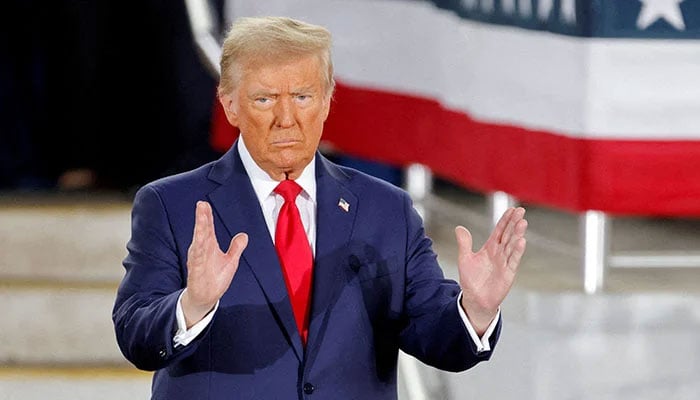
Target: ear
327 106
230 106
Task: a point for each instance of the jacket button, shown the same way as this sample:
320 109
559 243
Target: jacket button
162 353
308 388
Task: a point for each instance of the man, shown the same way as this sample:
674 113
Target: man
248 323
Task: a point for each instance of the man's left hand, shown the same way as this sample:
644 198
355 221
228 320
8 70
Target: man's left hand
487 275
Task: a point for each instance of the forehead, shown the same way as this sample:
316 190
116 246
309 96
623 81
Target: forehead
282 72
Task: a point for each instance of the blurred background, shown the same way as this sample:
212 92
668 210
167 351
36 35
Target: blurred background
586 112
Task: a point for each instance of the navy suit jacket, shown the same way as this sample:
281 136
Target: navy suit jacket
377 288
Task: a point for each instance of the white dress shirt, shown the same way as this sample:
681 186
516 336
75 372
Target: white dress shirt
271 203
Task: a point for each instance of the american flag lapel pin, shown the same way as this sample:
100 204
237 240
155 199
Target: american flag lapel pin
344 204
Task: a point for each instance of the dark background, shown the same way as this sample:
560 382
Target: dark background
112 87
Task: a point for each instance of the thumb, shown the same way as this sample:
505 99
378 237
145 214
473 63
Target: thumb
238 244
464 240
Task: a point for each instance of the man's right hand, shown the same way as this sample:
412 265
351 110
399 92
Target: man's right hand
209 270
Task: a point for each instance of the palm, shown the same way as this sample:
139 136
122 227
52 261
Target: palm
210 270
483 274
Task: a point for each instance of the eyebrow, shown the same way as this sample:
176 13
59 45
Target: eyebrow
273 93
263 93
305 89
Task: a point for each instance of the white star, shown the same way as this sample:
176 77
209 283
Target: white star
652 10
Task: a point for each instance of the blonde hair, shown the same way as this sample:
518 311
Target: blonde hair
254 40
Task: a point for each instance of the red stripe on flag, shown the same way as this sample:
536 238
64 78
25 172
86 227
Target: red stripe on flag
616 176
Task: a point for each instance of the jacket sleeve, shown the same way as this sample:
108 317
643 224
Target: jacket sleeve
144 310
435 332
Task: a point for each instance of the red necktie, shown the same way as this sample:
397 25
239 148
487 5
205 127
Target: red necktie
294 253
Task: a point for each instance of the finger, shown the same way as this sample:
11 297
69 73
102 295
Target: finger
518 233
210 217
514 259
201 220
521 228
495 237
515 217
200 227
235 249
209 227
464 240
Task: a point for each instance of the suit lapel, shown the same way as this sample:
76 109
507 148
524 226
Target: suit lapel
336 208
235 203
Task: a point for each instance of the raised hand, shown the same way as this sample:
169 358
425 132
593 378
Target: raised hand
487 275
209 270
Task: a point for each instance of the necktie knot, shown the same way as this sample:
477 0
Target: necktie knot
288 189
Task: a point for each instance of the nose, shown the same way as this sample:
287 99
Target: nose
284 113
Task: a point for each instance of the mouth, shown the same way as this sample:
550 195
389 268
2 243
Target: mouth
285 142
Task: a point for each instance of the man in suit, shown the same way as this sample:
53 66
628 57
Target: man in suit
218 324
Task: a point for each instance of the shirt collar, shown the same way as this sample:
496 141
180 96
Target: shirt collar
263 185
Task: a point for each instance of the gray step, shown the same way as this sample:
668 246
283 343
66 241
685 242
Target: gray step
575 346
44 325
73 384
71 242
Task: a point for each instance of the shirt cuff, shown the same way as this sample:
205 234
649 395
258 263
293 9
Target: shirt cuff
185 336
482 343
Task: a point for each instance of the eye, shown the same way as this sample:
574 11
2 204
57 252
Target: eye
303 99
263 102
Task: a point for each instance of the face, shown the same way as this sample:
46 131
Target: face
280 109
